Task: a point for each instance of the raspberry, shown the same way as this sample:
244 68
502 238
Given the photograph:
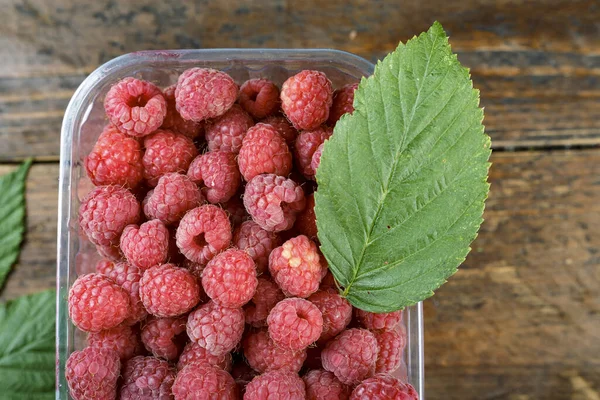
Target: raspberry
259 97
351 355
305 147
263 355
316 158
92 374
193 353
97 303
306 221
306 98
173 120
182 296
204 382
203 93
376 321
116 159
295 266
264 152
147 378
218 329
267 295
343 100
104 266
257 242
163 336
219 172
229 279
391 344
105 212
172 197
295 323
337 312
146 245
276 385
226 133
166 152
235 209
122 339
323 385
273 201
384 387
110 252
128 277
283 126
202 233
135 107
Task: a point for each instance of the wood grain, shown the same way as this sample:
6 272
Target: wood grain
521 318
537 63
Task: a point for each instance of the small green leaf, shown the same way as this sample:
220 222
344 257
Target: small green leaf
12 213
403 179
27 347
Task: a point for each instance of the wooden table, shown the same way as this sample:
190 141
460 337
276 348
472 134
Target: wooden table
521 320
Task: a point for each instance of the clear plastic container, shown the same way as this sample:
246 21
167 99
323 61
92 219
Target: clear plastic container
83 123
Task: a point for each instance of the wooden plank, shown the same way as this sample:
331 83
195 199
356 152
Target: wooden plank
539 72
519 320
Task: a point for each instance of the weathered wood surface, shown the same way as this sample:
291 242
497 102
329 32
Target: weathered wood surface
536 62
520 320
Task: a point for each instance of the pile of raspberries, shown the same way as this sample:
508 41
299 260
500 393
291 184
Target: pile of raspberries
212 285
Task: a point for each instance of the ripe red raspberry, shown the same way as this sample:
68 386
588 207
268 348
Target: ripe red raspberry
276 385
173 120
391 344
104 266
273 201
128 277
97 303
295 323
227 132
296 267
323 385
283 126
218 329
182 296
122 339
202 381
306 221
257 242
384 387
135 107
316 158
235 209
305 147
116 159
351 356
202 233
343 100
92 374
203 93
263 355
219 172
376 321
259 97
193 353
164 337
264 152
337 312
166 152
266 296
146 245
147 378
105 212
229 279
172 197
306 98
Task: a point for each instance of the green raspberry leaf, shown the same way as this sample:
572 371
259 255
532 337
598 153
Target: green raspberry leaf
403 179
27 347
12 213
